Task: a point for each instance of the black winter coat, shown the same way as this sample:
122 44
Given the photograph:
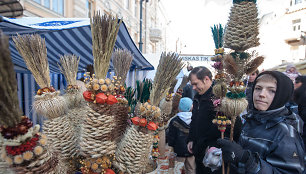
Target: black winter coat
203 132
188 91
302 114
274 141
176 136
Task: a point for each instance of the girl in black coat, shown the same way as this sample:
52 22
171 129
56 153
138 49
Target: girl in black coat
270 141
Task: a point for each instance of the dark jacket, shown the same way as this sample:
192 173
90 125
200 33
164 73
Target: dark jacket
273 140
300 99
203 132
176 136
188 91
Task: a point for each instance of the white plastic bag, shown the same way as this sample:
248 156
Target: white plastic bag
213 158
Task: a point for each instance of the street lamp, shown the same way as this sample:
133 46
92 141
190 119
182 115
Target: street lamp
140 22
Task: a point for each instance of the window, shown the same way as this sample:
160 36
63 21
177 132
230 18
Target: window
47 3
298 1
296 24
58 6
127 4
54 5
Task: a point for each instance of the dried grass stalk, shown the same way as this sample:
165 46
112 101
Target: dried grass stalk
104 31
184 82
34 52
170 64
230 65
220 89
69 67
122 60
10 112
254 64
233 107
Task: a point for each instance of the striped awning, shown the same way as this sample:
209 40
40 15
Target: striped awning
67 36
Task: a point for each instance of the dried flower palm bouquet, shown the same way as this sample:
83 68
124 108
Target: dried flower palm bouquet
241 34
48 102
170 64
24 148
69 68
220 87
132 154
72 120
102 122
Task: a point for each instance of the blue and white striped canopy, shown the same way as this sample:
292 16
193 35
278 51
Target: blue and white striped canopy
67 36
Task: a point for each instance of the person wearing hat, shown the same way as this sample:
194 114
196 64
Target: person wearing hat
291 72
270 140
177 134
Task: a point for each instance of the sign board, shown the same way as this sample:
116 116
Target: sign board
189 58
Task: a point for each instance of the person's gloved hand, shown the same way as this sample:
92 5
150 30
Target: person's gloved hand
232 152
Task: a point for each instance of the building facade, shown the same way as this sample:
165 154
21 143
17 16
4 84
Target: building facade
282 33
153 17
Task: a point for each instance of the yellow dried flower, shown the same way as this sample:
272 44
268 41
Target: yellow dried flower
38 150
101 81
18 159
27 155
9 160
96 87
43 141
94 166
108 81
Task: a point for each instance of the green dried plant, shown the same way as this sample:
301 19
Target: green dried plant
143 90
218 34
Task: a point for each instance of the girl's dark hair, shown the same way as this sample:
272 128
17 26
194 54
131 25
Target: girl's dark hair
201 72
300 92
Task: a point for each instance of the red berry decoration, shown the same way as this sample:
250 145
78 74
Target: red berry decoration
87 96
111 100
101 98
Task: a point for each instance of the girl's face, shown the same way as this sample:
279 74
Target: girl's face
263 94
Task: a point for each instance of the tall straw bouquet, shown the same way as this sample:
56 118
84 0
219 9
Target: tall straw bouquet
34 52
69 68
98 136
240 35
122 60
133 150
24 148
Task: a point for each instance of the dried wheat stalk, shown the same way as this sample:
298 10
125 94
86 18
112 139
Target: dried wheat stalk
104 31
9 106
69 67
170 64
122 60
34 52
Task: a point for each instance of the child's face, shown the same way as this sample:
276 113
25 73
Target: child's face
263 94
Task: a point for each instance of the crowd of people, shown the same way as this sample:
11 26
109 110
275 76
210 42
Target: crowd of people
269 140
